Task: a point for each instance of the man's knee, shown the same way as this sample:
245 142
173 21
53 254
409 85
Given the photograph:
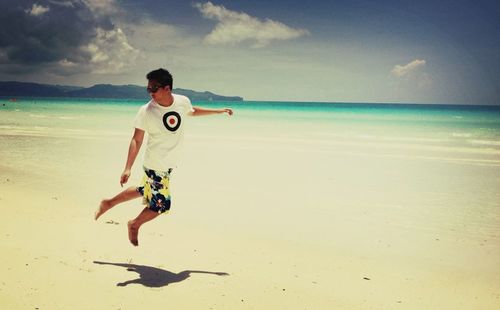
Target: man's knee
134 224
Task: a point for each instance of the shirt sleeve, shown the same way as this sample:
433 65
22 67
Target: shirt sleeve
189 106
140 119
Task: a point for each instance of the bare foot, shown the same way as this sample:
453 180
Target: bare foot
132 234
103 207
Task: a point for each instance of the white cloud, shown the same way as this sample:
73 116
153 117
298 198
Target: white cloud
37 10
153 36
405 70
103 7
67 4
411 81
235 27
110 51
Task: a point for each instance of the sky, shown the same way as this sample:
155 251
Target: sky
402 51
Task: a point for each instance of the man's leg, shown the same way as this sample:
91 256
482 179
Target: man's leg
133 226
106 204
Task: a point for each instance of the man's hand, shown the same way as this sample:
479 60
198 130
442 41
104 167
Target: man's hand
228 111
124 177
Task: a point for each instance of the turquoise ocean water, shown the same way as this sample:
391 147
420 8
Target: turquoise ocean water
469 124
472 131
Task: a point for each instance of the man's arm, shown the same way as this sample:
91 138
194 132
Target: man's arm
133 150
202 111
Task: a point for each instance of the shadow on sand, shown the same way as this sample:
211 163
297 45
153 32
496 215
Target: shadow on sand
156 277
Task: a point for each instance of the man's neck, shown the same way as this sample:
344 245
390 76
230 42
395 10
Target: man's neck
167 101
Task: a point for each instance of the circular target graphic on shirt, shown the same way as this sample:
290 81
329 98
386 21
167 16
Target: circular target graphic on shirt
172 121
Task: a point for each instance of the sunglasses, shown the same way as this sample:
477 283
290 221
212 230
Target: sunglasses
154 89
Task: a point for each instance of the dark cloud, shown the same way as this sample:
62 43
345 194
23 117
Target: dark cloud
63 36
52 36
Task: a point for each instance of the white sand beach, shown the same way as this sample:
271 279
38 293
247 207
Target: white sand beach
295 220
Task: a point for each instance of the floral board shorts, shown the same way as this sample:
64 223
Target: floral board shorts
155 190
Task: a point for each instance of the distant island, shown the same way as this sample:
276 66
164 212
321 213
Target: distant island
106 91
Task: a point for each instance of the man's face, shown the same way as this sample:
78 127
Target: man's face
156 91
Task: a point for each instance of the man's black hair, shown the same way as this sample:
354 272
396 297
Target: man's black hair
161 76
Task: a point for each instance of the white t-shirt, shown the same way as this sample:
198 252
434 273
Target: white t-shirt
165 128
